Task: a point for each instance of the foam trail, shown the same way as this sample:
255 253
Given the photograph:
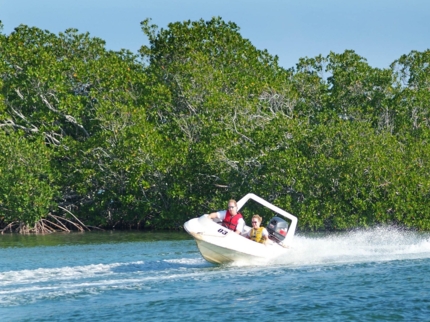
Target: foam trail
40 284
378 244
97 272
55 274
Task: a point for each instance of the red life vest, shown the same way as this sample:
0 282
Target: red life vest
230 221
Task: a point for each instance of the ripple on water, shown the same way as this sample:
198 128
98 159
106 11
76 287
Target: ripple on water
362 276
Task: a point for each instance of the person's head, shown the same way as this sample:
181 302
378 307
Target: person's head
232 206
256 221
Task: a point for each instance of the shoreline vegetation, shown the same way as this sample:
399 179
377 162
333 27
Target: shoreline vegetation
97 139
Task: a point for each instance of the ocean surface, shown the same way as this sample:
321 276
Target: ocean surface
377 275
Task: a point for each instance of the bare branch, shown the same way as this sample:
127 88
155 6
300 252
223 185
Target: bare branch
14 125
50 137
235 129
19 93
69 118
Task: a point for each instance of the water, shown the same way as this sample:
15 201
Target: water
378 275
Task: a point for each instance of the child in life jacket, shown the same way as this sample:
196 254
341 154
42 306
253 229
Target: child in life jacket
257 233
231 218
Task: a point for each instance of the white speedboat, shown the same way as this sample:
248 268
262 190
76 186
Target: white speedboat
220 245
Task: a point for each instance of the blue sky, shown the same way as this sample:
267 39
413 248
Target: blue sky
378 30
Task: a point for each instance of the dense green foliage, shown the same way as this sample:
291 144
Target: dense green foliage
200 116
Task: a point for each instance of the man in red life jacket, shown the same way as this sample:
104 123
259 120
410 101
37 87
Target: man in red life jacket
231 219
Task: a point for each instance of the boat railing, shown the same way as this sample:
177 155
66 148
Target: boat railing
293 219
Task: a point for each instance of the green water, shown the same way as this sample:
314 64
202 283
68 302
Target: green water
94 237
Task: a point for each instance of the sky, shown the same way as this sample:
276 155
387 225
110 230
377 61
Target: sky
378 30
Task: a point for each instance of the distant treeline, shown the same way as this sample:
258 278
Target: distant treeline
147 140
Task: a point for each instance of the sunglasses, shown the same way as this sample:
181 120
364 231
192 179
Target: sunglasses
230 207
254 222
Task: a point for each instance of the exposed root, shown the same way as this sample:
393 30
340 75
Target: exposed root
60 225
9 226
80 222
94 227
47 226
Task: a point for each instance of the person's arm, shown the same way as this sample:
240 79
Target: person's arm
265 235
240 226
213 215
248 234
218 214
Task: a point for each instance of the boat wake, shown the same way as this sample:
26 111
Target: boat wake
22 286
29 285
377 244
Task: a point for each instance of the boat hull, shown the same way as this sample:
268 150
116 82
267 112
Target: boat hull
220 245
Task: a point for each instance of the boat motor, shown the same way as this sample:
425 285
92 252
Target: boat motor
277 229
